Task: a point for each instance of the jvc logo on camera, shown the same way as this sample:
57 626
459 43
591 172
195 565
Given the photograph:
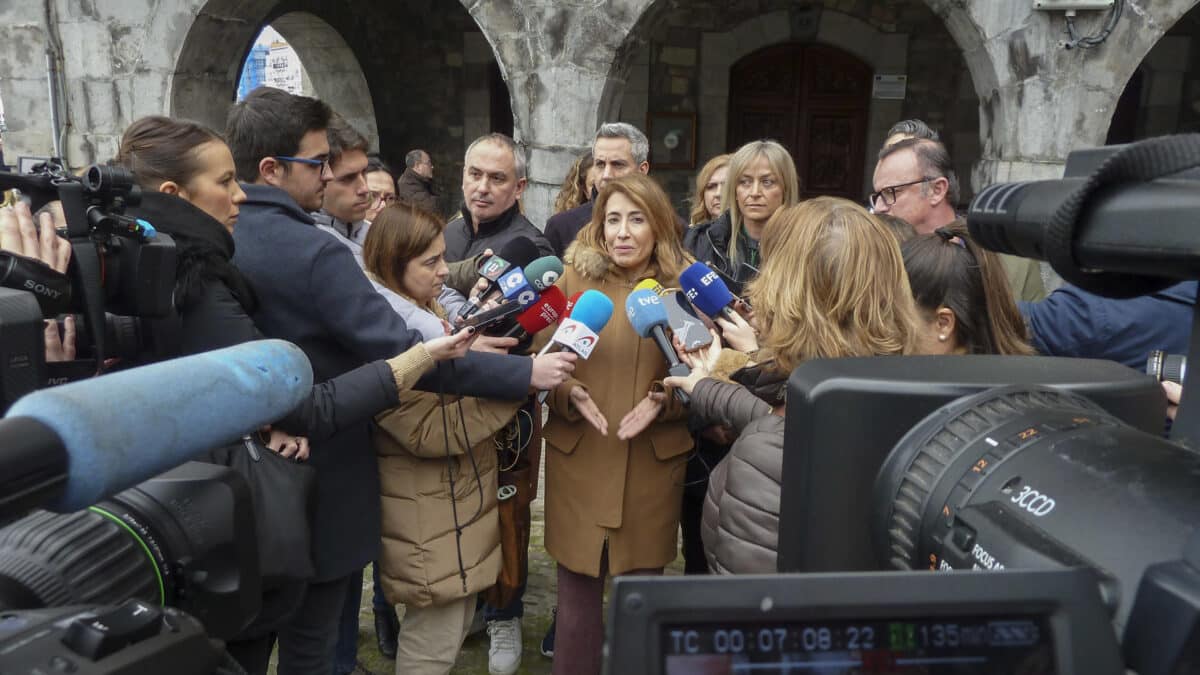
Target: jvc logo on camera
1033 501
42 289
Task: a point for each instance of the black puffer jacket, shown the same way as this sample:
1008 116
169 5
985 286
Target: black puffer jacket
709 243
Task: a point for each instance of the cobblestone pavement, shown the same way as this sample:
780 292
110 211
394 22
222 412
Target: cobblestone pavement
539 601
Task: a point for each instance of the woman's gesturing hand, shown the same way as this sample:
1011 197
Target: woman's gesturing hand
645 412
582 401
451 346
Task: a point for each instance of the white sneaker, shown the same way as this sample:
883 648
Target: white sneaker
504 652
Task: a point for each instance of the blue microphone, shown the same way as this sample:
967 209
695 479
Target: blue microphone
649 318
706 291
516 288
118 430
579 331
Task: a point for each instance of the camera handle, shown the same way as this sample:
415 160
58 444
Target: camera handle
86 267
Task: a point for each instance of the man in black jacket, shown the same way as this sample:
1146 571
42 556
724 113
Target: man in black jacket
493 181
415 185
312 293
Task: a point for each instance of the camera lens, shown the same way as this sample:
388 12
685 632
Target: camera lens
1029 477
107 179
180 539
1166 367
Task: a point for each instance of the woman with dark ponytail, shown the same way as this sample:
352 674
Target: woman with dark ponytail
963 299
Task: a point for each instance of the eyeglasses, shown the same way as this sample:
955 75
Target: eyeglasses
377 197
322 163
889 193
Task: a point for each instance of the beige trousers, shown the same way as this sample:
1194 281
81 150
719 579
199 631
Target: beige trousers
431 637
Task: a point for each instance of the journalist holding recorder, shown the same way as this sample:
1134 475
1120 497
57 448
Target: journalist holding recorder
832 284
616 447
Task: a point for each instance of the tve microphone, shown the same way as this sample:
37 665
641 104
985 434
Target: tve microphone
543 272
517 252
706 291
548 309
681 316
123 428
580 331
648 315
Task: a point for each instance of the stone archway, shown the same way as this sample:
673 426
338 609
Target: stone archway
205 79
332 68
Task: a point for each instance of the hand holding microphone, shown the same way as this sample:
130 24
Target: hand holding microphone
648 315
738 333
700 362
710 295
579 332
517 252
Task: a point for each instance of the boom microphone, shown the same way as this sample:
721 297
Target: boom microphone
516 252
115 431
648 315
548 309
681 316
706 291
580 331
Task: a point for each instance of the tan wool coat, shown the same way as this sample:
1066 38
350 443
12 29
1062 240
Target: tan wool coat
419 562
600 489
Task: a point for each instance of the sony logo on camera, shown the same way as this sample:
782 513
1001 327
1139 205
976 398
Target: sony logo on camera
42 289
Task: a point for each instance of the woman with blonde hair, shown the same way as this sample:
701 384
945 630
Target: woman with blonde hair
761 180
710 182
832 285
577 186
612 499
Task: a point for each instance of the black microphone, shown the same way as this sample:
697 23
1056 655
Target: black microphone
517 252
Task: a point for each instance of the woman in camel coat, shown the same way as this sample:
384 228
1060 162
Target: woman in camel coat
616 444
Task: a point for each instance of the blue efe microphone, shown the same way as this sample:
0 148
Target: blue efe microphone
120 429
707 291
649 318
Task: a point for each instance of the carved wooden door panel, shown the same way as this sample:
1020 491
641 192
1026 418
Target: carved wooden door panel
814 100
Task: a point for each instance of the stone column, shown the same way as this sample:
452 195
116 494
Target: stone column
566 65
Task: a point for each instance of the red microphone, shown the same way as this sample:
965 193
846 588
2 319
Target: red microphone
571 303
548 309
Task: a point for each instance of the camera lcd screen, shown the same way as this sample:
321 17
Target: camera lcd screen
993 645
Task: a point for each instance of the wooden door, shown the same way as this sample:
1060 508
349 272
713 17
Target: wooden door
814 100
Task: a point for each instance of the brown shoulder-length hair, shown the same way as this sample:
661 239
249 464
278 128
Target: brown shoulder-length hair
699 208
574 187
400 233
947 269
832 284
669 257
157 149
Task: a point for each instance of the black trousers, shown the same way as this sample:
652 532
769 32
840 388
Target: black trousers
306 643
254 655
694 561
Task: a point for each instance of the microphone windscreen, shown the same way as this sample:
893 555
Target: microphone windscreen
549 308
123 428
705 289
543 272
650 285
593 309
519 251
645 311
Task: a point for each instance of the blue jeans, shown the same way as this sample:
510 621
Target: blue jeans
345 655
514 610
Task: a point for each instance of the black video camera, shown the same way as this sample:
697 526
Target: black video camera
1014 466
122 272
